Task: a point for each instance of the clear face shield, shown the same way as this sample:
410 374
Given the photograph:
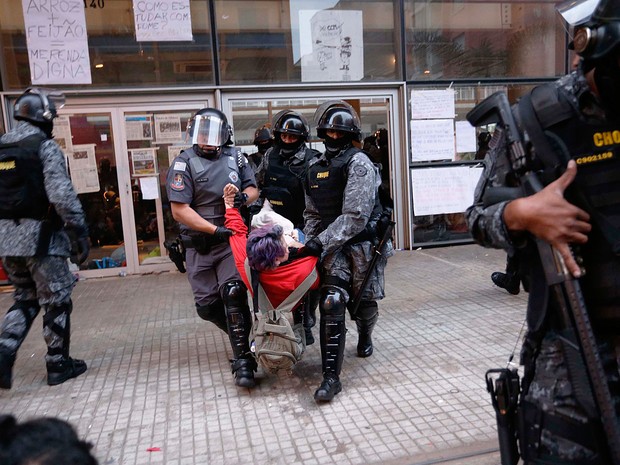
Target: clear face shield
207 130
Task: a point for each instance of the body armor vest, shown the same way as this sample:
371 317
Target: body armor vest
22 187
595 146
283 184
209 176
326 182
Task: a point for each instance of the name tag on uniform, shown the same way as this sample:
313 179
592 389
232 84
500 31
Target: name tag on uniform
322 175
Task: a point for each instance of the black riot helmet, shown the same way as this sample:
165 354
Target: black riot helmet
262 135
596 25
209 127
291 122
337 115
39 106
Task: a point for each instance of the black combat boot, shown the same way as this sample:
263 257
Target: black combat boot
60 367
6 370
364 341
510 282
333 338
59 372
239 319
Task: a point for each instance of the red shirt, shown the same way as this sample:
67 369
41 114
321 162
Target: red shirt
277 283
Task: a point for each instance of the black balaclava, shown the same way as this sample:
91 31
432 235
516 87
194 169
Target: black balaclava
264 146
607 79
47 127
335 146
290 149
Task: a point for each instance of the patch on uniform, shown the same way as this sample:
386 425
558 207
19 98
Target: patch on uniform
177 182
234 177
322 175
360 170
179 166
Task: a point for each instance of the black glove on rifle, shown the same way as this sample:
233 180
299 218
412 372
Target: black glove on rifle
222 233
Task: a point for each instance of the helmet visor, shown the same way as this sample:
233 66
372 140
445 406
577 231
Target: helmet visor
333 104
207 130
56 99
576 12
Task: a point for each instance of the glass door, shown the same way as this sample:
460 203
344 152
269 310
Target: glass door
88 141
382 130
118 154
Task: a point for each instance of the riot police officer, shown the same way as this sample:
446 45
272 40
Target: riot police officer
571 120
342 206
263 140
284 171
195 183
39 209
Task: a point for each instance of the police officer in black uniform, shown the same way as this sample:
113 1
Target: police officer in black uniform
342 208
284 171
195 184
263 140
39 212
571 134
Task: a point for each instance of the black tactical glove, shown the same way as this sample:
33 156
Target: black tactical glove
241 198
222 233
312 248
80 245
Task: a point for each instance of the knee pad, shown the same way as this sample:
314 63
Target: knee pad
234 294
332 303
210 312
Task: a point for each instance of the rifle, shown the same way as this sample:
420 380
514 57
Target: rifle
578 337
378 252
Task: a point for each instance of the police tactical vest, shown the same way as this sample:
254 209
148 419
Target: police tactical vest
283 184
22 187
595 146
209 176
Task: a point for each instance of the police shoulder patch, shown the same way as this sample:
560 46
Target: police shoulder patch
234 177
177 182
360 170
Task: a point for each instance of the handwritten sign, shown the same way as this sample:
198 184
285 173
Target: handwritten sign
426 104
443 190
432 139
162 20
57 42
465 137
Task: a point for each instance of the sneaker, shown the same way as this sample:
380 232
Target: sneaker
328 389
59 372
505 281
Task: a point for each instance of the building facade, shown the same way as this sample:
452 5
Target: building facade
134 71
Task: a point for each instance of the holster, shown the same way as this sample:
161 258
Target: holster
176 252
202 243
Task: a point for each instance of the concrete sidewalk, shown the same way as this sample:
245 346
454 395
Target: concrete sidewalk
159 377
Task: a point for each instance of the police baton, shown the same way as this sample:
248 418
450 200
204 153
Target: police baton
378 252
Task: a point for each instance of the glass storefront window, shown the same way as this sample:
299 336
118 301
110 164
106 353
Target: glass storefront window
277 41
483 39
116 57
441 227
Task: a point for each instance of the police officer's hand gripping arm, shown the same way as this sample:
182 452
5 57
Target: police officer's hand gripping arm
185 214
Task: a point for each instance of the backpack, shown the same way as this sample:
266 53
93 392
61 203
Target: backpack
22 187
275 340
